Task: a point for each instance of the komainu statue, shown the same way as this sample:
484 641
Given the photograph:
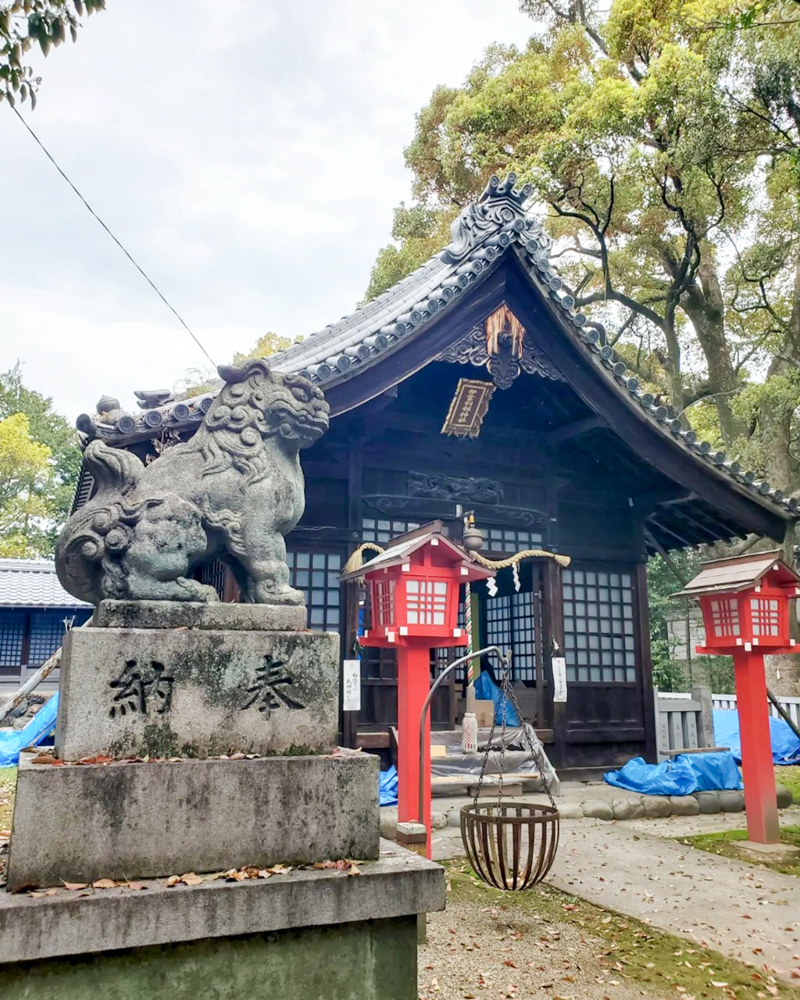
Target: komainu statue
234 490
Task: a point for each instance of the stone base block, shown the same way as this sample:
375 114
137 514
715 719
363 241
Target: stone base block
197 692
81 823
773 852
304 935
191 614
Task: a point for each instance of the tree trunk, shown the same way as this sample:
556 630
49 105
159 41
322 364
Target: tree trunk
705 307
774 428
776 410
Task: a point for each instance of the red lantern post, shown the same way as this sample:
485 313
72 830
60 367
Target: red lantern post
745 605
413 590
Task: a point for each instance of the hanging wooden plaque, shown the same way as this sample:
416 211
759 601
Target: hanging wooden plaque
468 408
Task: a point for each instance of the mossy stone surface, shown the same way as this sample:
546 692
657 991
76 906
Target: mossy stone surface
368 960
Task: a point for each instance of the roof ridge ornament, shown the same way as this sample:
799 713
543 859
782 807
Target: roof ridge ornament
500 205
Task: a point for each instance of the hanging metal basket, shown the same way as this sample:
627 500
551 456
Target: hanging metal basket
510 845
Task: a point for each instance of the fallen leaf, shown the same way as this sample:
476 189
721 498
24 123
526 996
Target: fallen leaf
191 879
718 984
173 880
44 758
136 885
74 886
104 883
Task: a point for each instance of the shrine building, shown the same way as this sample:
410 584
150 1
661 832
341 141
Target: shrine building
474 385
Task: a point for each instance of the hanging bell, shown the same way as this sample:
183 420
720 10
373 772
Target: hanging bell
472 539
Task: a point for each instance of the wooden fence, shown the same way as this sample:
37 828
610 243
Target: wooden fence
685 722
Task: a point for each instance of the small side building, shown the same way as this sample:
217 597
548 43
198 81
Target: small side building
35 611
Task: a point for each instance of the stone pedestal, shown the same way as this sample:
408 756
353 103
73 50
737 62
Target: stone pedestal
202 739
193 692
81 823
306 935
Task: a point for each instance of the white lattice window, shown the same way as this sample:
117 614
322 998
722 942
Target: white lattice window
764 612
725 617
599 631
426 602
384 601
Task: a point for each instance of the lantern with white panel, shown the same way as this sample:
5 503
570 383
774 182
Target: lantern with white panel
413 591
745 605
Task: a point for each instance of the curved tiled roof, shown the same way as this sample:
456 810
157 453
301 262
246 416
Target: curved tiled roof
32 583
498 224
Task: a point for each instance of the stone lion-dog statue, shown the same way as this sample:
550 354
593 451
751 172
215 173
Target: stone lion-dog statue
235 489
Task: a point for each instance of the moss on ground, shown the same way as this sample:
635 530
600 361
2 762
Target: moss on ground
657 961
727 844
789 777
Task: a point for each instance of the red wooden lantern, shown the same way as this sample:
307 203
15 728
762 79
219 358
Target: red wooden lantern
745 605
413 589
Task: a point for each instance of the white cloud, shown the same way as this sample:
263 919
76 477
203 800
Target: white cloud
249 161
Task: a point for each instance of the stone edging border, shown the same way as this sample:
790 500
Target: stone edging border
643 807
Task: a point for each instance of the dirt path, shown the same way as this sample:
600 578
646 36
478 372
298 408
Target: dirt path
503 951
743 911
550 945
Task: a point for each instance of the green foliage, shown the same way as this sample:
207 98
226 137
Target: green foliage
668 675
716 672
38 504
24 23
266 345
24 479
663 140
419 232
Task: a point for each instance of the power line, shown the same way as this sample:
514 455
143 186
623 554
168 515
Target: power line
138 267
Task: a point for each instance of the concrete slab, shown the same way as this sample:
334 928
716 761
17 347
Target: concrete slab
775 852
193 614
741 910
197 693
81 823
400 883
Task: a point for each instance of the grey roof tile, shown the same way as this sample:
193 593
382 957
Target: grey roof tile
32 583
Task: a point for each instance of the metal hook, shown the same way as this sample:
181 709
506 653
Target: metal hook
504 660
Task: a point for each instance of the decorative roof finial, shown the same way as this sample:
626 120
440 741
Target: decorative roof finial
499 207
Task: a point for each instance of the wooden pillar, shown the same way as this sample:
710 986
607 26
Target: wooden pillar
413 684
555 602
760 797
349 623
645 663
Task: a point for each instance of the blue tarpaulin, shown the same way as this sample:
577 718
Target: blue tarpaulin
485 688
40 726
683 775
388 787
785 745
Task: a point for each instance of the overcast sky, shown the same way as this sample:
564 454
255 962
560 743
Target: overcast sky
250 162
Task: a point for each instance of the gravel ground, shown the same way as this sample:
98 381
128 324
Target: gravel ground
551 945
500 952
